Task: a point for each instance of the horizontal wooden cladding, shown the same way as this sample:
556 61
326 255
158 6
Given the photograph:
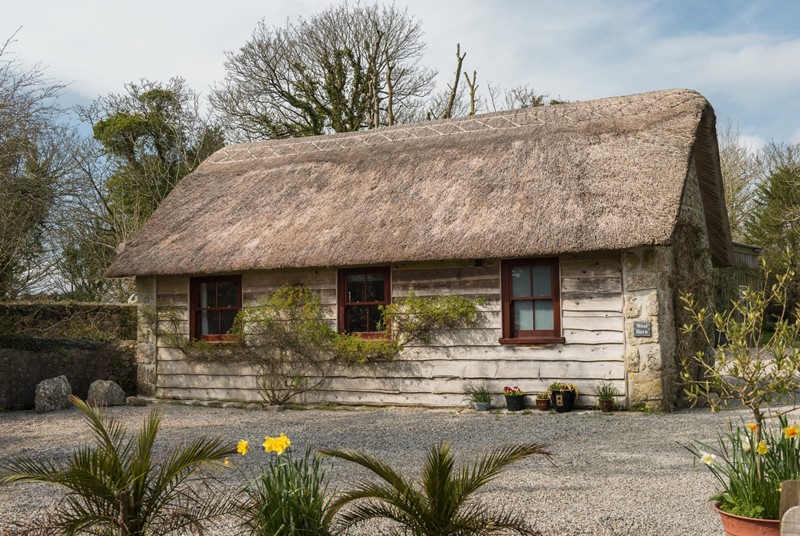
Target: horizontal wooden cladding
452 397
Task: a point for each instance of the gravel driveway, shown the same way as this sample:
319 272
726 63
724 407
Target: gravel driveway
615 474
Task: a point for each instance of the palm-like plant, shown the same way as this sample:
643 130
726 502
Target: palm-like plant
440 504
114 486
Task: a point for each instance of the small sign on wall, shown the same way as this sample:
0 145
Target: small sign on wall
642 328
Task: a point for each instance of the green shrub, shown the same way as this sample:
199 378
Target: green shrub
287 499
750 470
115 488
442 503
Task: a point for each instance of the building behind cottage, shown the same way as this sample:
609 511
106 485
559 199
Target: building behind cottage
579 224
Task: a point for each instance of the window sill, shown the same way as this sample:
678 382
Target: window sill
225 339
533 340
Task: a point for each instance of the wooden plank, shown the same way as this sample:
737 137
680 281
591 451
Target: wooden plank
322 277
172 285
600 303
489 286
446 274
603 322
554 352
790 496
573 336
424 369
591 285
251 296
591 268
461 374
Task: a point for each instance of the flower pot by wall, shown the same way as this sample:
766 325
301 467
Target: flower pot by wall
606 405
747 526
543 404
562 401
515 403
482 406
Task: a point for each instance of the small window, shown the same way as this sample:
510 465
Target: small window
214 304
531 301
362 292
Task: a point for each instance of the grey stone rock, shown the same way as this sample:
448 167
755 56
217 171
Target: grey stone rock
52 394
105 393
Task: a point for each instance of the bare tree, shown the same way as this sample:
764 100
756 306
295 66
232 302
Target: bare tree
31 162
344 69
741 172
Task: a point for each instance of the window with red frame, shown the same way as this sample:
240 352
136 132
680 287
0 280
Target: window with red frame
362 291
531 301
214 303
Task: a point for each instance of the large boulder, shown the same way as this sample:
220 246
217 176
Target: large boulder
52 394
105 393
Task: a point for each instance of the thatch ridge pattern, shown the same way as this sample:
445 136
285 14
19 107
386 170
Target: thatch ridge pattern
561 114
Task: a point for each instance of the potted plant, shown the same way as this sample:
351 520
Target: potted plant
563 396
515 398
478 394
751 371
605 393
543 401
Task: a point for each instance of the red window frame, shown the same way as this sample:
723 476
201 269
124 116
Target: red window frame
195 310
344 303
535 336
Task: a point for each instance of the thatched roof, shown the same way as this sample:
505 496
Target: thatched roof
597 175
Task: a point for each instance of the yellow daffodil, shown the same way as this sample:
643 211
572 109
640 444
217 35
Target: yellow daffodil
762 448
226 461
791 431
752 426
707 458
242 447
277 444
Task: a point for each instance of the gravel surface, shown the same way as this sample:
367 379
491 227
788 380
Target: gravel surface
624 473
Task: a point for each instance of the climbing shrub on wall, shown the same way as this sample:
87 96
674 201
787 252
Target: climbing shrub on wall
295 347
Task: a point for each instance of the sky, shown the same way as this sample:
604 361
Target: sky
743 56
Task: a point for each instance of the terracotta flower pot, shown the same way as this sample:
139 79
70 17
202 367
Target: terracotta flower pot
747 526
543 404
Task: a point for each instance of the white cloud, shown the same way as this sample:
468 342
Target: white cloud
576 50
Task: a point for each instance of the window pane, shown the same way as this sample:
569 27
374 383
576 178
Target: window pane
543 313
226 319
375 287
355 287
521 281
375 317
208 295
542 280
228 294
357 319
210 323
523 315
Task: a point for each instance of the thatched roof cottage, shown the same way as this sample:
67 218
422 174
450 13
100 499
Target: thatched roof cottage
612 206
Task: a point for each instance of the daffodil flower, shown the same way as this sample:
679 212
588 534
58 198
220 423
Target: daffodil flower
791 431
226 461
276 444
752 426
762 448
242 447
707 458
